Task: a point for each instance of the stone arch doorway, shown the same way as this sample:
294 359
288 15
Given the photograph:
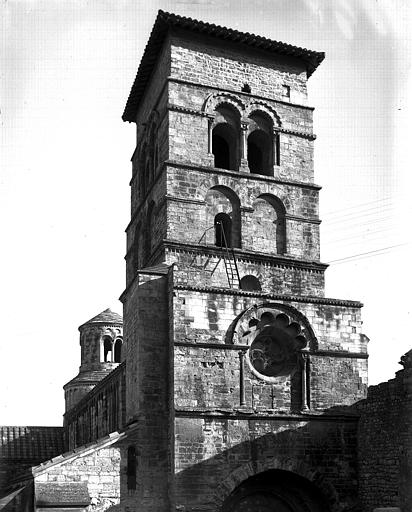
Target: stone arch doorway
276 491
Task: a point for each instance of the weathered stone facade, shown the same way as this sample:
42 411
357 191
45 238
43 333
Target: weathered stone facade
243 372
385 443
238 386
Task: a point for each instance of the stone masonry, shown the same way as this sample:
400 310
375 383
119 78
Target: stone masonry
241 378
238 385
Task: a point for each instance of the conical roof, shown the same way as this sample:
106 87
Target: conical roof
105 317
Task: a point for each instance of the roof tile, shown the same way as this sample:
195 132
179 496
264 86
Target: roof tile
165 21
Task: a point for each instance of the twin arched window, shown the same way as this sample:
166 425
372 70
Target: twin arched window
112 350
266 231
256 141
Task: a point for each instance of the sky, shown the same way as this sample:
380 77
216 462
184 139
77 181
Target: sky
66 72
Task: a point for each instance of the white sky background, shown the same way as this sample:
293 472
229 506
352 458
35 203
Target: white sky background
66 72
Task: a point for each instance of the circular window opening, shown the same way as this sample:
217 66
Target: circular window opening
250 283
271 353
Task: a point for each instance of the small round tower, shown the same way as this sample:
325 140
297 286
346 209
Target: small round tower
101 342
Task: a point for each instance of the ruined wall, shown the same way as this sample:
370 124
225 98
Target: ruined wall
385 443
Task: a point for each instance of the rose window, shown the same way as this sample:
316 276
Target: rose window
275 343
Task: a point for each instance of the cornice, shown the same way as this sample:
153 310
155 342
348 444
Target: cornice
185 200
240 174
343 354
250 256
193 112
307 299
246 413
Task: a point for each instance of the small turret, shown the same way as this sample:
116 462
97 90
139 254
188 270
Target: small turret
101 342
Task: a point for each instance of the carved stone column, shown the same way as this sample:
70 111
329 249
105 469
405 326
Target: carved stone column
242 395
276 148
244 166
210 120
305 363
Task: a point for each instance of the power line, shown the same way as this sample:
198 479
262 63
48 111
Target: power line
357 215
362 254
360 205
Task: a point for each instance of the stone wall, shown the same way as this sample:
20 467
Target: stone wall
148 384
231 420
98 467
205 267
385 443
100 412
228 66
188 214
215 454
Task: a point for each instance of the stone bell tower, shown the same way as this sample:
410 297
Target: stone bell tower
101 341
238 368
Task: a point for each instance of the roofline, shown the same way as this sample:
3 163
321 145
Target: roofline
165 21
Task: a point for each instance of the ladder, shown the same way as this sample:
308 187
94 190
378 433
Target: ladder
228 256
229 259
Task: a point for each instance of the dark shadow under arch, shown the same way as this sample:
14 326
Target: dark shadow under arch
107 349
118 351
276 490
259 153
224 146
223 230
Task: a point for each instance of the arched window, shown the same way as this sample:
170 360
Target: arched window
250 283
131 467
107 349
260 143
226 137
224 146
223 230
222 212
268 232
118 351
259 152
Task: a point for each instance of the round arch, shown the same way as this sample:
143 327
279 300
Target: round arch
220 199
240 324
264 109
217 99
251 470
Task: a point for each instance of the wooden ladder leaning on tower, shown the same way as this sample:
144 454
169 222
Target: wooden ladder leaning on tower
227 254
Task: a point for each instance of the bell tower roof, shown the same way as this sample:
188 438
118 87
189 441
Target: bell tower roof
105 317
166 21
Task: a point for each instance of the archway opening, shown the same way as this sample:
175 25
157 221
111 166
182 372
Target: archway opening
259 152
224 146
118 351
276 490
107 349
223 230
